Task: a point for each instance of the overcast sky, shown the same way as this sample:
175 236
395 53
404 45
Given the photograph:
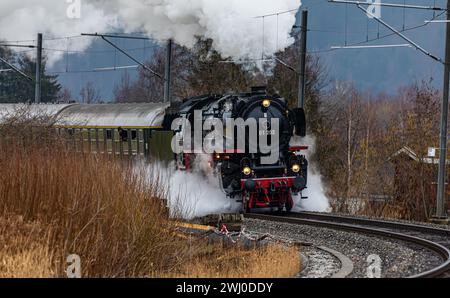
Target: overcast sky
379 70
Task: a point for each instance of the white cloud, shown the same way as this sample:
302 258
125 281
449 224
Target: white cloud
231 24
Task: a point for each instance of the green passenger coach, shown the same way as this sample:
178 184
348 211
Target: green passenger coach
125 130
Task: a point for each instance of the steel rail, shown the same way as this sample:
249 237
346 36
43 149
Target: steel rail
441 250
373 222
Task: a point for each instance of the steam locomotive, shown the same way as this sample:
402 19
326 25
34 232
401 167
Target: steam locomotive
242 174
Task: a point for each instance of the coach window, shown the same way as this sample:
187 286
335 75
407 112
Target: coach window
123 133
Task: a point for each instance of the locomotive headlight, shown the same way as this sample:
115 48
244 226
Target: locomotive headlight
247 171
296 168
266 103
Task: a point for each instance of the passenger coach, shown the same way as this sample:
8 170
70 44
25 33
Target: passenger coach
131 129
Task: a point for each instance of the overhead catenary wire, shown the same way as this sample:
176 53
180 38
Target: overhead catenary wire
99 51
374 46
126 54
346 23
67 50
67 55
418 47
95 70
17 46
434 12
367 29
16 69
263 33
404 14
278 17
393 5
437 21
379 37
385 24
277 13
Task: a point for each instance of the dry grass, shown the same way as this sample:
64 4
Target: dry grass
25 250
54 203
268 262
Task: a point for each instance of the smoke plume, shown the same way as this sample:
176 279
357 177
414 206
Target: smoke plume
198 193
315 192
193 193
231 24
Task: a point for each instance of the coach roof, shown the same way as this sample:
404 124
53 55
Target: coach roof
91 115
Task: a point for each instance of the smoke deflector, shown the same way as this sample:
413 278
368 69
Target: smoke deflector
300 122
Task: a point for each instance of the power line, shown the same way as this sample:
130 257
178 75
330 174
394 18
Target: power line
437 21
409 40
16 69
126 54
99 51
276 13
373 46
394 5
45 39
381 37
112 35
118 36
97 70
17 46
360 4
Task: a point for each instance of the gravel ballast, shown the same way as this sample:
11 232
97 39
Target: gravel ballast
398 258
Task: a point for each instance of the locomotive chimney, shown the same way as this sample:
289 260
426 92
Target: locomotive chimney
259 89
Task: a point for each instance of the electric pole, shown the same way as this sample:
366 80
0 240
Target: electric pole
168 73
441 193
302 72
37 91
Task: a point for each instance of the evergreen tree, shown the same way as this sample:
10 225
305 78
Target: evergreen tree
7 75
15 88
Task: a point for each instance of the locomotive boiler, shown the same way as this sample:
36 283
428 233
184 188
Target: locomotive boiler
243 171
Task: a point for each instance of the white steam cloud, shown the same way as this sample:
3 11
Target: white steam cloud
232 25
191 194
197 193
317 199
22 20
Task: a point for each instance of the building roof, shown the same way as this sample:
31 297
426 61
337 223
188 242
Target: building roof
408 152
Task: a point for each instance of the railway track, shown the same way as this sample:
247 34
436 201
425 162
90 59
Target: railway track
434 239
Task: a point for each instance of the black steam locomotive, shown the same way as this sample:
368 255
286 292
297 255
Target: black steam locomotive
242 174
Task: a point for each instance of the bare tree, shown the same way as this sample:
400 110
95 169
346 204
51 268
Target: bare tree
64 96
90 94
345 111
198 71
124 91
